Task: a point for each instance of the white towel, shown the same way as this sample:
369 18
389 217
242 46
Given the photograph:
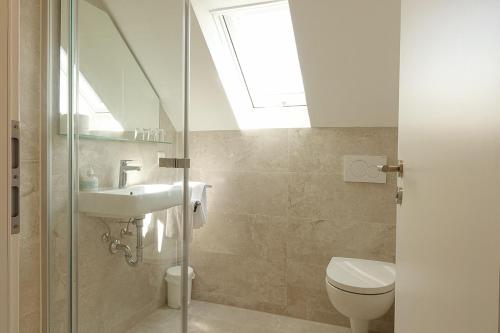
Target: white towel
173 227
196 219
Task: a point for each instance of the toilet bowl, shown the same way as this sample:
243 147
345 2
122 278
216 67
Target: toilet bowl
362 290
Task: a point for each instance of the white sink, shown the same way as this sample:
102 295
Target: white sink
131 202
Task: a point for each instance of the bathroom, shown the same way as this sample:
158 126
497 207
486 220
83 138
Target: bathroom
239 166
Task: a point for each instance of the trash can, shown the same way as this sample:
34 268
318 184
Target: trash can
173 278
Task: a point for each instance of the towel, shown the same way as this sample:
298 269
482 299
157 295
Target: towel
173 226
198 212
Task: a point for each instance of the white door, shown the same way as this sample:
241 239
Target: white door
448 232
9 242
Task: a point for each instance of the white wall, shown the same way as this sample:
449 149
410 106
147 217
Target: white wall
349 54
210 109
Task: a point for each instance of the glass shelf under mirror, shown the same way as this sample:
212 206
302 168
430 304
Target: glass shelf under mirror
117 138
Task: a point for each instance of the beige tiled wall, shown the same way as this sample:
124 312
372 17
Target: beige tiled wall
112 295
279 210
30 77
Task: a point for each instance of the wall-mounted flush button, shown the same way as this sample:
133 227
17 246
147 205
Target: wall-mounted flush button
364 169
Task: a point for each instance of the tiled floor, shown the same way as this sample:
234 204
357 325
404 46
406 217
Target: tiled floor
215 318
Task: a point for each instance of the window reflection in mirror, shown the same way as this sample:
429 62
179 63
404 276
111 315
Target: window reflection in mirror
115 97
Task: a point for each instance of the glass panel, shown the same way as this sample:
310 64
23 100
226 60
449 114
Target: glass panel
127 213
124 252
264 44
60 175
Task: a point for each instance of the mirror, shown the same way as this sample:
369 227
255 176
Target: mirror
115 97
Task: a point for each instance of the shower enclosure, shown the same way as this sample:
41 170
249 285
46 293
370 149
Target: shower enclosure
117 158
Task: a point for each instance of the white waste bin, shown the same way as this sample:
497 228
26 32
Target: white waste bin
173 278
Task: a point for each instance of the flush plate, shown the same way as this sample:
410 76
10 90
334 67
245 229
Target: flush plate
364 169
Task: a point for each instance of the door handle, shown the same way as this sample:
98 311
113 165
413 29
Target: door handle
392 168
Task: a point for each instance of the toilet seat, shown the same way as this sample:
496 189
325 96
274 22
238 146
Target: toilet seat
366 277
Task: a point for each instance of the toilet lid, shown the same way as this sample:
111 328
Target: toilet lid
360 276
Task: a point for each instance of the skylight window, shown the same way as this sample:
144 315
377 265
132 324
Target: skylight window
263 42
254 50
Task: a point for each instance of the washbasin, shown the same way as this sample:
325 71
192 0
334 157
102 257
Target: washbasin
131 202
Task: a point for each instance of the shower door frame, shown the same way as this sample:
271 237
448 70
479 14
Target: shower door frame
186 198
48 48
9 110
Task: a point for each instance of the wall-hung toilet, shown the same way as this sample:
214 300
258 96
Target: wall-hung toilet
362 290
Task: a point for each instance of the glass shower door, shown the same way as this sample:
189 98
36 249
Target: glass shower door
118 140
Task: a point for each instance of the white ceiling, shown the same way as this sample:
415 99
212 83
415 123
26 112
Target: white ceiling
349 55
349 52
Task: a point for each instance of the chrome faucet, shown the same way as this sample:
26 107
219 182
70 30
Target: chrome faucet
124 168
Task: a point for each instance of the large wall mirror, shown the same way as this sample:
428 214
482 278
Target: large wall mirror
116 99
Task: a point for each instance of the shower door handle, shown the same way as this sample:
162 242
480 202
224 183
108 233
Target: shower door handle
16 179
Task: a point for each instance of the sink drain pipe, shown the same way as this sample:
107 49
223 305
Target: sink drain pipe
117 246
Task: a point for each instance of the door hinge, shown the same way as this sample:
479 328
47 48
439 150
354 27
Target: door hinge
16 179
176 163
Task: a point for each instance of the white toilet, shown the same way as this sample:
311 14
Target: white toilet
362 290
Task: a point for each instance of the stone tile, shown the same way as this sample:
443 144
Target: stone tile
269 238
238 280
30 322
105 160
325 215
255 236
29 277
30 75
246 192
105 280
30 201
30 71
321 150
307 293
59 313
262 150
212 318
102 283
317 241
323 196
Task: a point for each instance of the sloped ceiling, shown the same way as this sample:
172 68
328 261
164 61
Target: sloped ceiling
153 30
348 49
209 104
349 55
